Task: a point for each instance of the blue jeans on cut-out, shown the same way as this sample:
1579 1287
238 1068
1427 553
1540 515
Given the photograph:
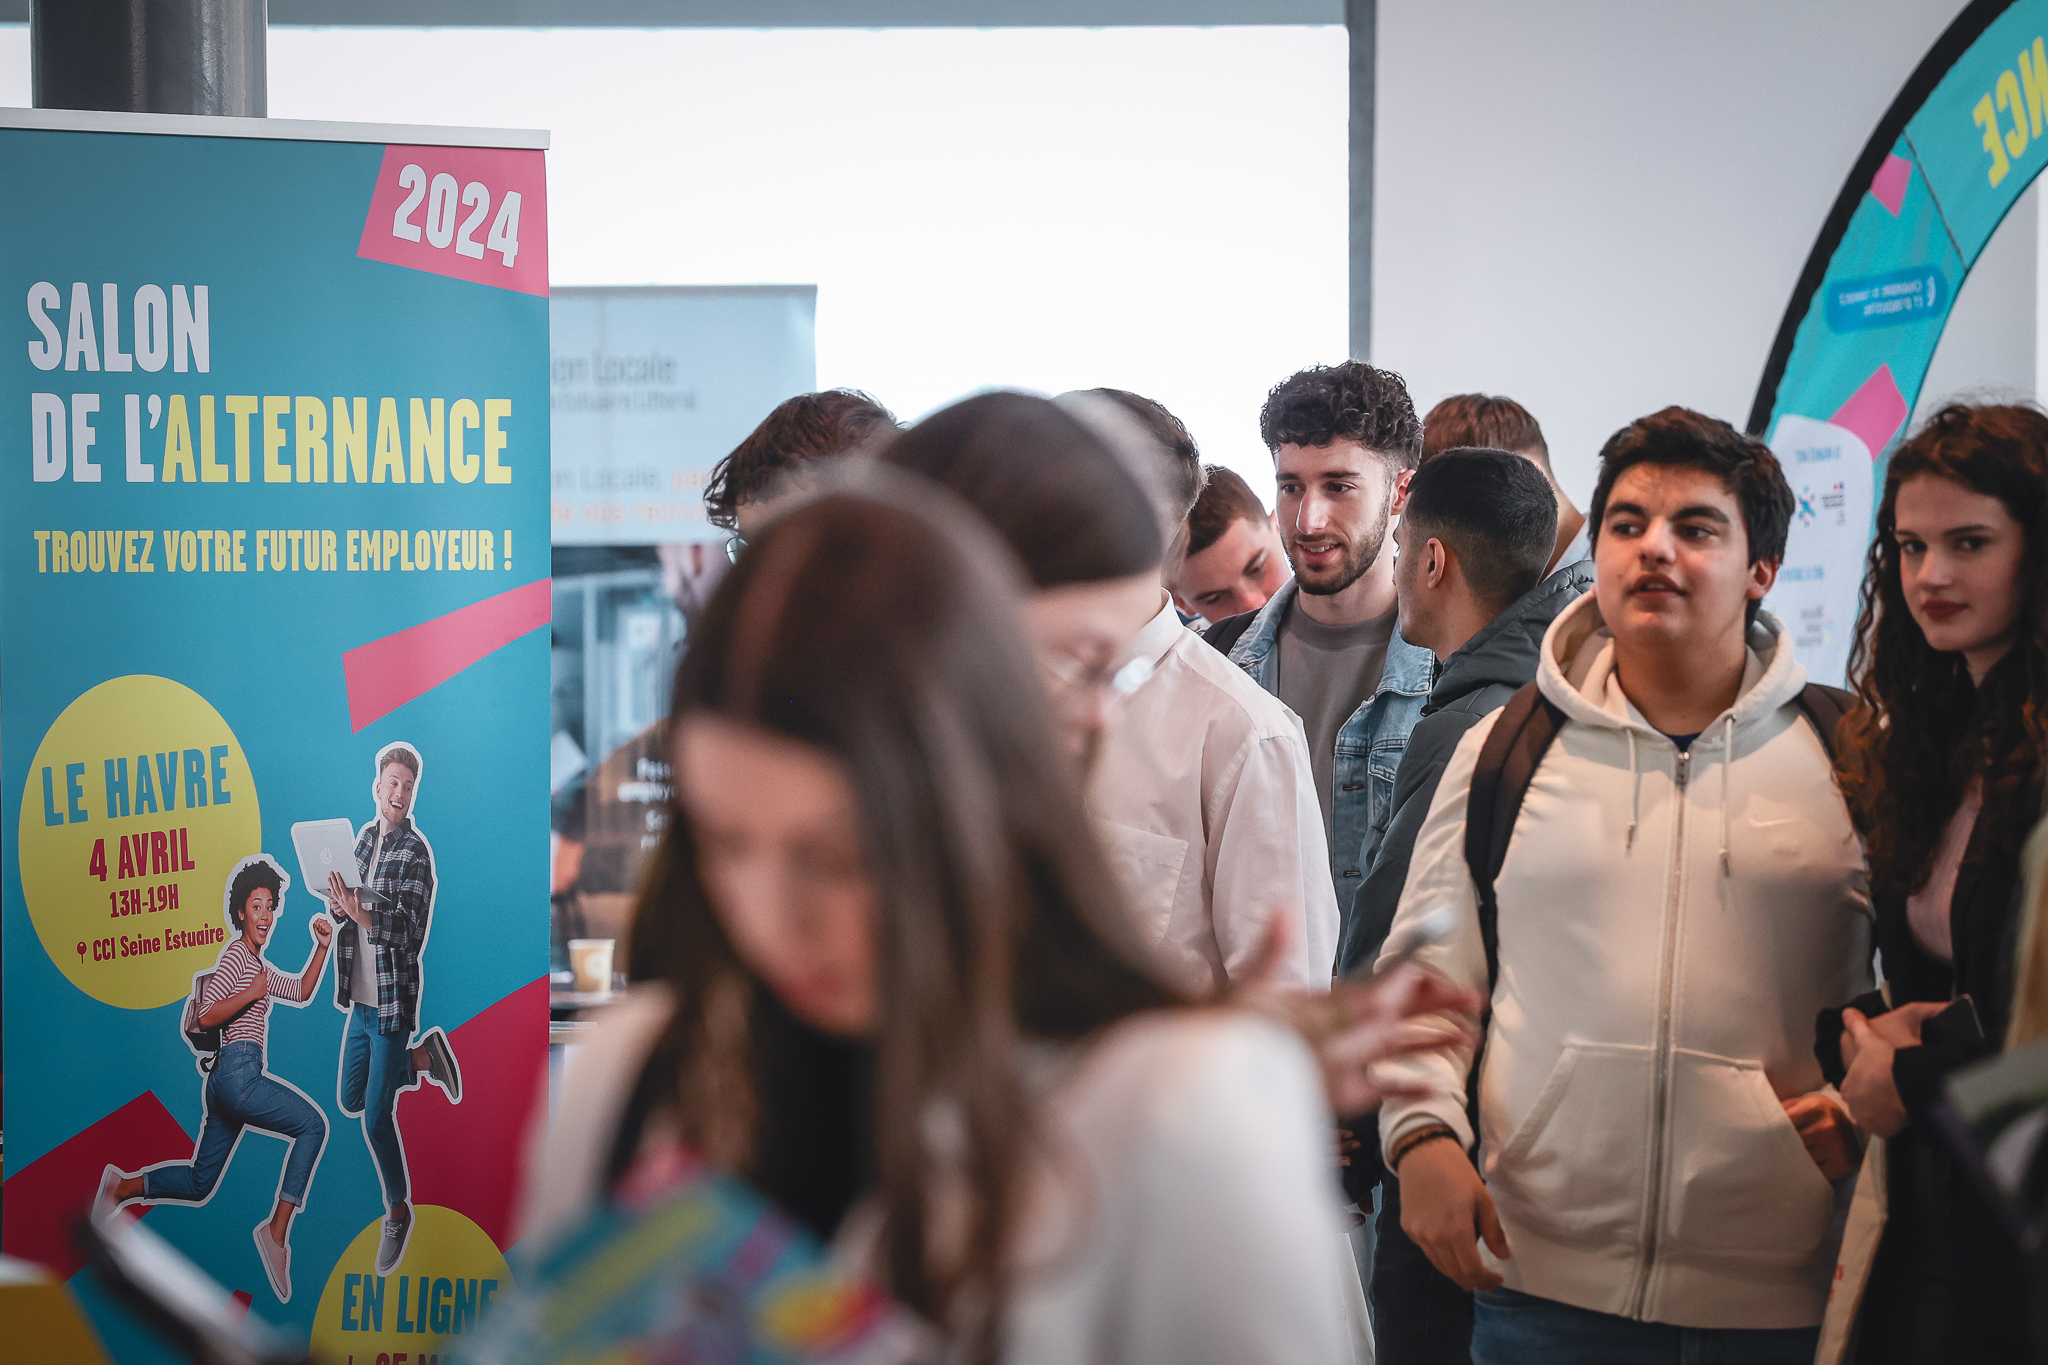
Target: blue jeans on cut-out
239 1095
1512 1328
374 1068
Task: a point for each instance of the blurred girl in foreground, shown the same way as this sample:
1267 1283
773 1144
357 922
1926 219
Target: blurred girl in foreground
1942 767
887 987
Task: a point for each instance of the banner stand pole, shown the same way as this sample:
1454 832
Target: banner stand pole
150 56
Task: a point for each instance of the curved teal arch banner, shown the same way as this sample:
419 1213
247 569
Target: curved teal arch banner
1966 135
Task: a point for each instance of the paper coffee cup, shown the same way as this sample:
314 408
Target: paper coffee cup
590 961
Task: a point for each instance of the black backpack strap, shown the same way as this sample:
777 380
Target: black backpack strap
1226 633
1824 708
1506 766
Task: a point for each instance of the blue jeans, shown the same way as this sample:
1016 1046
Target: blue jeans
239 1095
1510 1328
374 1068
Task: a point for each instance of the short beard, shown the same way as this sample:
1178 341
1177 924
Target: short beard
1365 553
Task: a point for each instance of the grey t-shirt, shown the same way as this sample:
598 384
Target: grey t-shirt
1326 672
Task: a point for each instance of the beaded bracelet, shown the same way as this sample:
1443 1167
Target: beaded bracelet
1414 1140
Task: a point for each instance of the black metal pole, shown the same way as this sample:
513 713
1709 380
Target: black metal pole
150 56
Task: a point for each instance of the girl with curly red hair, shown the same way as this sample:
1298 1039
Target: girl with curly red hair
1942 766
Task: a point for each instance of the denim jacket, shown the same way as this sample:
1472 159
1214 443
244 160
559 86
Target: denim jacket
1369 746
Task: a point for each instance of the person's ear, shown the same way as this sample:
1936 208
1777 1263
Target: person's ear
1401 482
1762 575
1436 562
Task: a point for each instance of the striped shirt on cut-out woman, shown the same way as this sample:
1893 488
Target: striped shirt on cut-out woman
231 976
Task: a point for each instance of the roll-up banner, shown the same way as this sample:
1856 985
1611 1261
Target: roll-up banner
273 567
1963 139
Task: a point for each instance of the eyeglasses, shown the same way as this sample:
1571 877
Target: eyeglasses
733 546
1071 675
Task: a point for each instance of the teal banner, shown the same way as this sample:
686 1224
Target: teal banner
273 567
1962 141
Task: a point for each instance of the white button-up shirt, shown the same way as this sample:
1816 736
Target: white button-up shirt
1206 804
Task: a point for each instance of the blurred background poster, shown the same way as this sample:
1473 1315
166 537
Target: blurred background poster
650 388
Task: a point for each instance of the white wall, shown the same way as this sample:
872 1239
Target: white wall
1596 206
1600 207
1159 209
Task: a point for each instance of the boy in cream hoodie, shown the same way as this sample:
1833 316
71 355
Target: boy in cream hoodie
1682 892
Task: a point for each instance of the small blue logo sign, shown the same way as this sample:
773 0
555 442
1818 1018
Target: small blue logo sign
1897 296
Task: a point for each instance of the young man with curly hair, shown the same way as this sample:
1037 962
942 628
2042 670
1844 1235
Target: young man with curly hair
1345 439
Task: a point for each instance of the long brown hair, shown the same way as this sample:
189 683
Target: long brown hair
889 638
1923 731
1065 501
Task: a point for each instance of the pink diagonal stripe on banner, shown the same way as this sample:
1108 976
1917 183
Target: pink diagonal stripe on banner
46 1194
1874 411
385 674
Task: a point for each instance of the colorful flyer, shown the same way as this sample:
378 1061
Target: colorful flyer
688 1266
273 572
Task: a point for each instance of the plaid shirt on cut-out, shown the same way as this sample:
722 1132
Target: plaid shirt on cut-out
404 875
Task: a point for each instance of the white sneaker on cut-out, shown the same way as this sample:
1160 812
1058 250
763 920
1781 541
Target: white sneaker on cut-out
277 1262
104 1205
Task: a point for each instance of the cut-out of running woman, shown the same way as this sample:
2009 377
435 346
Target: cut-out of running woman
239 1092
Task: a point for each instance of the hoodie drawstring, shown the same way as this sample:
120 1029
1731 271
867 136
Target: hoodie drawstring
1727 773
1635 776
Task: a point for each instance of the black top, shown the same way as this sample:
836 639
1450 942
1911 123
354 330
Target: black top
1948 1284
1471 685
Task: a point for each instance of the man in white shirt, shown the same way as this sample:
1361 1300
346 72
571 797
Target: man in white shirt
1203 789
1199 779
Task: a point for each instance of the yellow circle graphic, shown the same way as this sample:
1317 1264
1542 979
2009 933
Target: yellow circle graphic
139 803
443 1288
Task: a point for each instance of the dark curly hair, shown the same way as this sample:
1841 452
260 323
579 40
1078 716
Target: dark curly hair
1352 401
1924 731
257 875
810 426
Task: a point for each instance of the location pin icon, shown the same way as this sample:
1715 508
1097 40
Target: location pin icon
81 954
